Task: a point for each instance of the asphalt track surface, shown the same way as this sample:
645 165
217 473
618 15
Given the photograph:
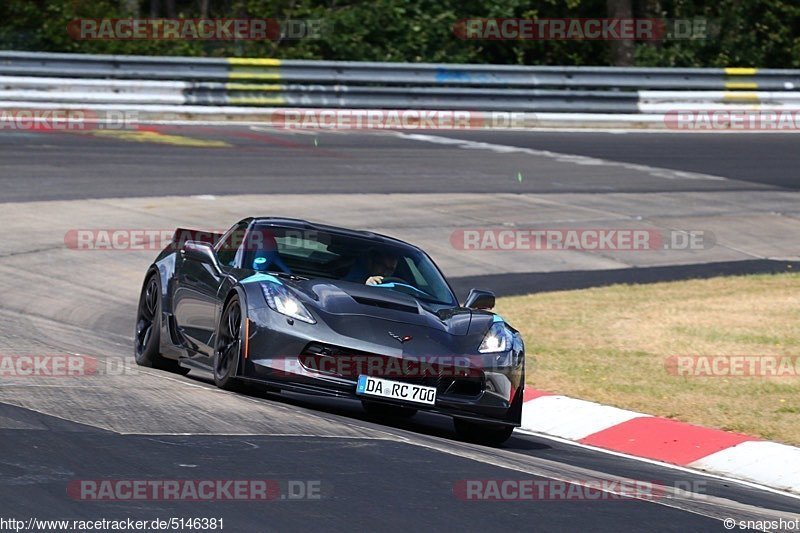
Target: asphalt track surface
373 474
83 165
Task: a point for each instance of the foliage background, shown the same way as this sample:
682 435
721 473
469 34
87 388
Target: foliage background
762 33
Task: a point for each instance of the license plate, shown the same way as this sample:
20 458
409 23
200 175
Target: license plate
386 388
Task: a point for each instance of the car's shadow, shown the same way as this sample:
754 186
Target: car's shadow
422 423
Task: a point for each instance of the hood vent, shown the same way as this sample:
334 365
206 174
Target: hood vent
385 304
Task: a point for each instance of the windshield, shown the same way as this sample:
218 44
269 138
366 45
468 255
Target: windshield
320 254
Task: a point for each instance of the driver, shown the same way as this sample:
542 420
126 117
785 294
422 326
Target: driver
382 265
372 269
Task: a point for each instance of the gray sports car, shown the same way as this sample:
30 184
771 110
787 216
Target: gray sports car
291 305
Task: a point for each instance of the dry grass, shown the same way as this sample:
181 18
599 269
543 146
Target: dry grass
610 345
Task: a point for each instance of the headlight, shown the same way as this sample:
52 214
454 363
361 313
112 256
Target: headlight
282 301
496 339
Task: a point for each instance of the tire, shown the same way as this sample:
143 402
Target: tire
228 346
482 433
147 334
386 410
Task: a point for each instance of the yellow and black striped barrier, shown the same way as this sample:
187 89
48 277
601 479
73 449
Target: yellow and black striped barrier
270 82
242 68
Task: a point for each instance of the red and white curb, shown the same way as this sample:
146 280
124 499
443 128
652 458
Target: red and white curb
661 439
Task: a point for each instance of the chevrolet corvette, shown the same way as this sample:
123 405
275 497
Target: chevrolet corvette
287 304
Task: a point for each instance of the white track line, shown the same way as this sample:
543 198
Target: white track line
657 172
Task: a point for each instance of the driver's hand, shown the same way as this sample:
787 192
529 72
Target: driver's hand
374 280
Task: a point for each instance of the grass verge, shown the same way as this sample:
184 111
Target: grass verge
613 345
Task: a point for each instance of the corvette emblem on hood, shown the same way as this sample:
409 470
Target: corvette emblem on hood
400 338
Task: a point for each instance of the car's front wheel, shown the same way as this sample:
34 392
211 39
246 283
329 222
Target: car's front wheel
147 336
228 347
481 432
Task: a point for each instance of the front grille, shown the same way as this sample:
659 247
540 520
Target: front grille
466 387
342 362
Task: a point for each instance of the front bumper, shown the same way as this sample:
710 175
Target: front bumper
312 358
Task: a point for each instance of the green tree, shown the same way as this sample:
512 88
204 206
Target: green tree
763 33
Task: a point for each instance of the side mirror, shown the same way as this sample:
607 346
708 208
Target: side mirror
479 299
200 251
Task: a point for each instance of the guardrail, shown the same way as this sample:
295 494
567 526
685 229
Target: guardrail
33 77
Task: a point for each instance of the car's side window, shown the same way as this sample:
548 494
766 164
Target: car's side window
229 245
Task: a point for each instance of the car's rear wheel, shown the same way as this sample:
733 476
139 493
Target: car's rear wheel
228 347
481 432
147 337
381 410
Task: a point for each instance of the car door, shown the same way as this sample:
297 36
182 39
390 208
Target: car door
197 288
